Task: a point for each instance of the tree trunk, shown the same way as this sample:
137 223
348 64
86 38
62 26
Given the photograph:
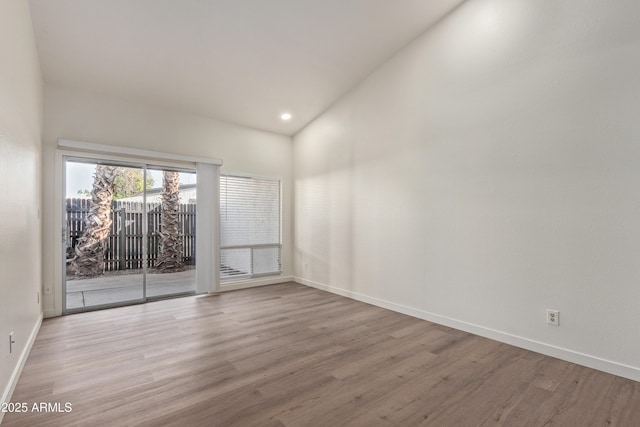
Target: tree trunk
89 252
170 253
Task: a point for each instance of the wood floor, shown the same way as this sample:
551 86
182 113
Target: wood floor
292 355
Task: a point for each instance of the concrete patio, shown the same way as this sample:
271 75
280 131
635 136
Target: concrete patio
113 289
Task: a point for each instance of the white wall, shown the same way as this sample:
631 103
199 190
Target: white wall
106 120
20 128
488 171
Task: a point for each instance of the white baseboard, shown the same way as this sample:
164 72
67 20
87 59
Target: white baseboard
615 368
252 283
15 376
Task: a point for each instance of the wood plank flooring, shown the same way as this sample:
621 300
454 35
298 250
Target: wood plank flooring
289 355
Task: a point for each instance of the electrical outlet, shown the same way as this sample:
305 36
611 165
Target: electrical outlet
553 317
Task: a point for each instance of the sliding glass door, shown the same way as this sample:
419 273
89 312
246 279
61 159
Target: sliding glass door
171 240
129 233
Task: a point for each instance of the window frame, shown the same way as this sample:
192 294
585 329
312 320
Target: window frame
278 245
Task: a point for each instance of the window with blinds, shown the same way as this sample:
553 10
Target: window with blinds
250 223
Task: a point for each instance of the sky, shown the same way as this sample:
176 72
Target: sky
80 178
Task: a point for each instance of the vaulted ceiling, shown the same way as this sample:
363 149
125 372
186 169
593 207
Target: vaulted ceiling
241 61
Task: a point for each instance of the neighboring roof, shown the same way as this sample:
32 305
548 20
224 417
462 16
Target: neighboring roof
158 190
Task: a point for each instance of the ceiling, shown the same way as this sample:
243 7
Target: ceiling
241 61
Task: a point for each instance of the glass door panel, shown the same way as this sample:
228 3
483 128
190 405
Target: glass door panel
171 219
104 219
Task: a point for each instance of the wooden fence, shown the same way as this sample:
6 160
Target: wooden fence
124 249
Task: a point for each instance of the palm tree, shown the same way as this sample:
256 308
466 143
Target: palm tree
89 252
170 253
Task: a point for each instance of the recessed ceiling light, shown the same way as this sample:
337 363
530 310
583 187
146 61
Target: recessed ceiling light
285 116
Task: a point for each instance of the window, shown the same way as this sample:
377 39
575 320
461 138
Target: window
250 224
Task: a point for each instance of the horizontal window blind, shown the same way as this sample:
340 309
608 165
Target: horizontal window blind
250 227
